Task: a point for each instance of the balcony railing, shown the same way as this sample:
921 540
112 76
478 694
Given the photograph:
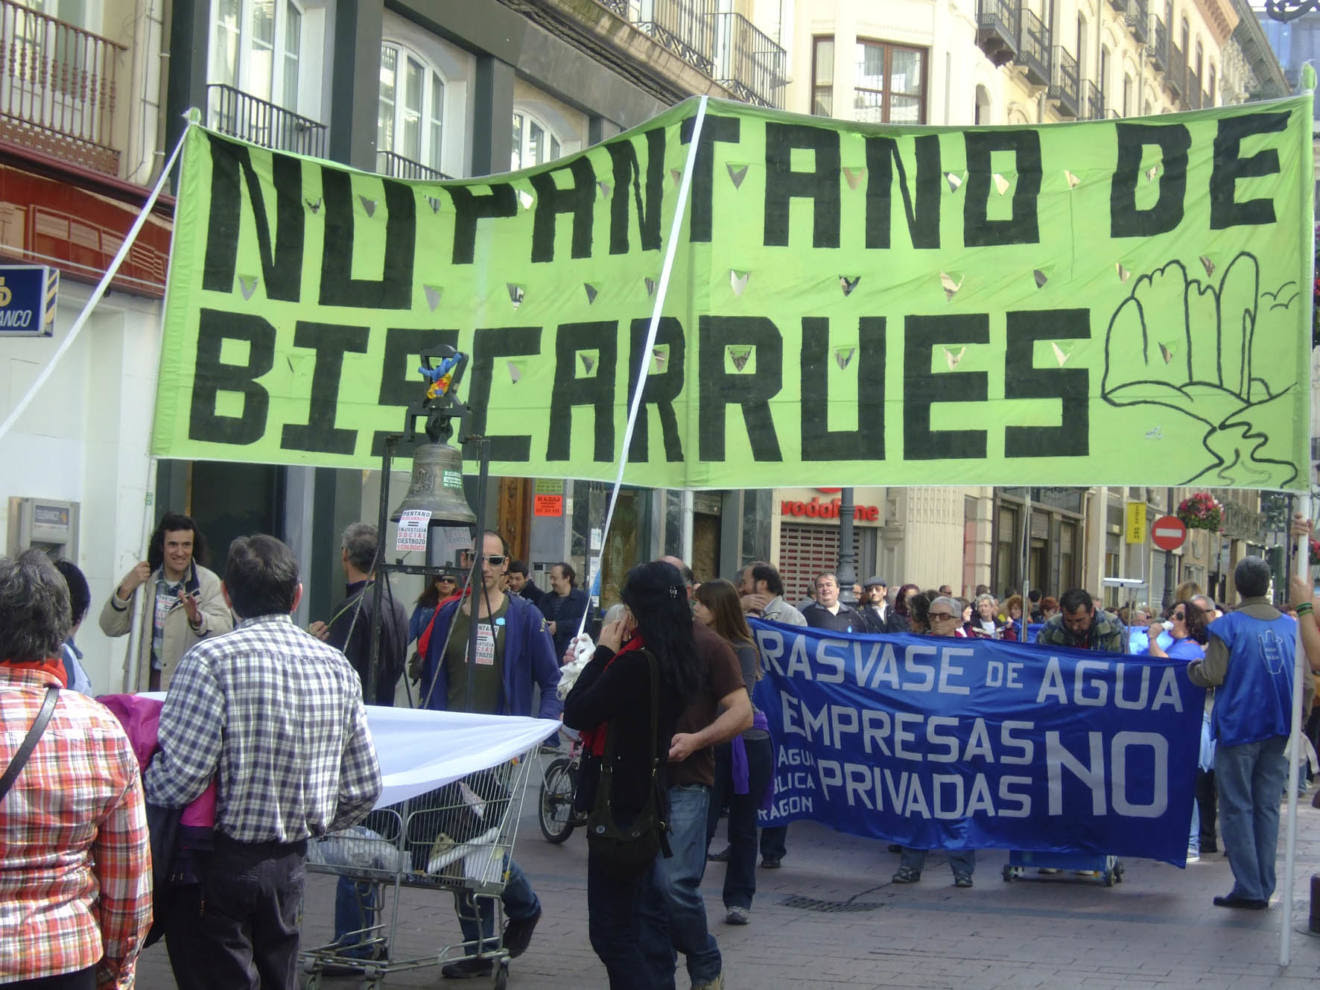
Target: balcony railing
1064 82
57 88
684 27
1095 101
747 63
997 29
1138 19
1034 47
241 115
1175 77
1159 46
398 167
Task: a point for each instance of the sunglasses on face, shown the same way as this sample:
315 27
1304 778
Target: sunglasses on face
1180 615
496 559
940 615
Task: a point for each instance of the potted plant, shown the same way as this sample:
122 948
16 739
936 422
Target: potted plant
1201 511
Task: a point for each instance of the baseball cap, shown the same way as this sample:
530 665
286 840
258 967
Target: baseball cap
873 581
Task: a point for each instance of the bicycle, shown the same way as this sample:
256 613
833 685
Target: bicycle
555 812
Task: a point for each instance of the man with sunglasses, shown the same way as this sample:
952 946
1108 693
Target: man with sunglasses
514 653
945 618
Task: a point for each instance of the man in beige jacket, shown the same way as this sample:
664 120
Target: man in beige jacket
184 603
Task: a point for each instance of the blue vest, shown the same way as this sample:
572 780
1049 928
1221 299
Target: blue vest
1255 700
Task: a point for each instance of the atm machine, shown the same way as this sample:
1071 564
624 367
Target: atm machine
47 524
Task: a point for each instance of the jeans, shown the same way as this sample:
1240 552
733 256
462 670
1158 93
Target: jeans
356 905
961 861
238 928
476 915
1251 779
774 842
740 876
614 926
673 915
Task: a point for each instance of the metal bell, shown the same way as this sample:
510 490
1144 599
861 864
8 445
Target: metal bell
437 486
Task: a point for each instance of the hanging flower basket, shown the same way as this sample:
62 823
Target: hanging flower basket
1201 511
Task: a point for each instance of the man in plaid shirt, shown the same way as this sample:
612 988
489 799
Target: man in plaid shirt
276 717
75 864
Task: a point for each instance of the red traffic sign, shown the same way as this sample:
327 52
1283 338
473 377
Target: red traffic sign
1168 533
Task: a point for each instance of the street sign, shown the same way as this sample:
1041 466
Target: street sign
1168 533
1135 522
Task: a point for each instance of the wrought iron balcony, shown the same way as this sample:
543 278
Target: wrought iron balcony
684 27
747 63
398 167
1175 76
1159 47
997 29
241 115
1138 19
1064 82
57 88
1095 101
1033 47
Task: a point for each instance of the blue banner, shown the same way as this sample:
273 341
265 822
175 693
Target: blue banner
948 743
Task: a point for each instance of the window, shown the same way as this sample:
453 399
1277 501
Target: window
1127 95
1210 88
1104 72
891 84
410 116
256 47
533 142
822 77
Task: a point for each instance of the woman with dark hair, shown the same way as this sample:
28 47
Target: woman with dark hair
613 696
1013 620
919 611
442 587
900 615
743 767
182 603
1187 625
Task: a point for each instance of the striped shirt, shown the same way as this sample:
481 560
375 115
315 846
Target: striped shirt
75 861
276 716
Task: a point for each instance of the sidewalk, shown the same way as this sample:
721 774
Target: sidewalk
830 918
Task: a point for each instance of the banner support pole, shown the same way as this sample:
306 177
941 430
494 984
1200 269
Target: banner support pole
662 290
98 292
1294 751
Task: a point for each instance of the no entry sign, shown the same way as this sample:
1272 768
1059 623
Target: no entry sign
1168 533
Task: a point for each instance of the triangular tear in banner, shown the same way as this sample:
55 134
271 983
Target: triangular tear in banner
369 205
738 355
737 173
432 296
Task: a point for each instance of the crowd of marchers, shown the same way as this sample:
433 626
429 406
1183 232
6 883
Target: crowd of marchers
261 743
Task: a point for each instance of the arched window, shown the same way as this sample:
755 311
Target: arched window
534 143
410 116
256 47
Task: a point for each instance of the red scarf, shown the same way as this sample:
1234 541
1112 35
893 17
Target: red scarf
51 665
593 740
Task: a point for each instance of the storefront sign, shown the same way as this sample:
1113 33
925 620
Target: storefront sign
850 303
28 294
1135 519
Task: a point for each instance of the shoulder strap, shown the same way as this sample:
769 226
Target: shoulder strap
30 741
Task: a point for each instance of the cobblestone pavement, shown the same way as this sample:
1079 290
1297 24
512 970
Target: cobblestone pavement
830 918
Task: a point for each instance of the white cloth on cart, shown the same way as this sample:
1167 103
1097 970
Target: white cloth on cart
420 750
358 847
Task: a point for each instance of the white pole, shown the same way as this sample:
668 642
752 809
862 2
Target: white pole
97 293
1294 751
680 207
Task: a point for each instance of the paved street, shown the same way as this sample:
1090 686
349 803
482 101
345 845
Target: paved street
830 918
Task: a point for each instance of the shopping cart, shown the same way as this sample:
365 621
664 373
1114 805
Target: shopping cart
457 838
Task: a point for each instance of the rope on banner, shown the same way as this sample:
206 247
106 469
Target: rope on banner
99 291
662 290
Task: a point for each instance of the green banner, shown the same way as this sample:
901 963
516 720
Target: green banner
1109 302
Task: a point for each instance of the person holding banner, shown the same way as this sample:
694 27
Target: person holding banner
743 766
1249 660
944 617
828 612
613 697
1082 626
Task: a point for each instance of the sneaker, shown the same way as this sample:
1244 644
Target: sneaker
719 857
518 934
714 984
1193 855
468 968
962 879
906 874
736 916
770 863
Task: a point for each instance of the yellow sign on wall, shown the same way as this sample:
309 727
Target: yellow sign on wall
1136 522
